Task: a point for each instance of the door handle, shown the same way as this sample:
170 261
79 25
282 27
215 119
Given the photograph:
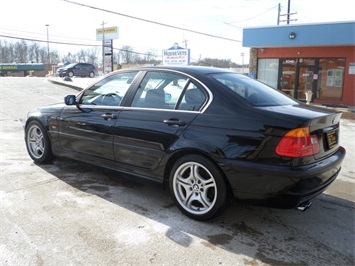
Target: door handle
108 116
175 122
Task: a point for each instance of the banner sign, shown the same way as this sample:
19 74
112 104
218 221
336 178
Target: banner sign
176 55
20 67
108 33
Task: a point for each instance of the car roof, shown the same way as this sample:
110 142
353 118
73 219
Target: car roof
185 69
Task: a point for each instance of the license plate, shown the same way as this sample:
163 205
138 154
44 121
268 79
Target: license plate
332 138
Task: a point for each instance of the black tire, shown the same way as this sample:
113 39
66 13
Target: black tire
91 74
70 74
37 143
198 187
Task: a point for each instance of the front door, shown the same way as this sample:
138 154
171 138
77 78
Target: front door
305 81
288 80
87 127
88 130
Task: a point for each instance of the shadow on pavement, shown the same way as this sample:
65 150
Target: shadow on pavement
323 235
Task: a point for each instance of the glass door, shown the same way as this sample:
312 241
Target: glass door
288 78
305 81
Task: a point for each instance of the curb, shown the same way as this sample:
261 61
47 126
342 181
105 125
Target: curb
65 83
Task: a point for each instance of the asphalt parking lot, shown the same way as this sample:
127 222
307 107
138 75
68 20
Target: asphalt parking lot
70 213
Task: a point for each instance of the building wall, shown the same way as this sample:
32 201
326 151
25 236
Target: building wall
347 52
35 73
253 60
310 35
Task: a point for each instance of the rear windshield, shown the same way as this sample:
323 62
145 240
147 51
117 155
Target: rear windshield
252 91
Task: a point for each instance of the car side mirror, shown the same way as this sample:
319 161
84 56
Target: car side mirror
70 100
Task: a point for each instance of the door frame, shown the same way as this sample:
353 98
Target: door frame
298 66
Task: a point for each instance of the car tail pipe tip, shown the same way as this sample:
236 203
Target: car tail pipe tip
304 206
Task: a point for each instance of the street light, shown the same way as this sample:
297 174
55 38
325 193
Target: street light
49 59
242 55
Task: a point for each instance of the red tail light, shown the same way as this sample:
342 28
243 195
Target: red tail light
298 143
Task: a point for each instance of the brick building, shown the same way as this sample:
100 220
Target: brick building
310 57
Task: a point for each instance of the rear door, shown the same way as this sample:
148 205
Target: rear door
88 127
83 68
148 126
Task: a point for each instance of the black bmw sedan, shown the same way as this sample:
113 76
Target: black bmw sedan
208 135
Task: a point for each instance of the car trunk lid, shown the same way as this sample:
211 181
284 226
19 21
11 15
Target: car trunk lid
321 122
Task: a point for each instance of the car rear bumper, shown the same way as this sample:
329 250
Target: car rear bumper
282 186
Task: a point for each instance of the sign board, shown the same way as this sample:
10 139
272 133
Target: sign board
176 55
107 49
351 68
108 33
20 67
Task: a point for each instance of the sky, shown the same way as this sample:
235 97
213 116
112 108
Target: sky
222 20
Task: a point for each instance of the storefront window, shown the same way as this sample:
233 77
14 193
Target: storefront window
330 78
268 71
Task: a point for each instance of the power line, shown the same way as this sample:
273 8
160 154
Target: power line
153 22
15 30
251 17
65 40
39 40
76 44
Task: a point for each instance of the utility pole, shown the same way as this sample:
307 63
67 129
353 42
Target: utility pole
103 46
242 55
288 14
288 11
48 56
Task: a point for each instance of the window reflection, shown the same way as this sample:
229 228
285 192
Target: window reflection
268 71
330 80
323 76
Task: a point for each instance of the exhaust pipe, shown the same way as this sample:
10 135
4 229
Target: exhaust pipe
304 206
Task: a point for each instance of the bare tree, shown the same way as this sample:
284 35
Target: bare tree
150 55
222 63
12 57
23 52
33 52
4 52
43 54
117 58
69 57
127 54
92 55
20 52
55 57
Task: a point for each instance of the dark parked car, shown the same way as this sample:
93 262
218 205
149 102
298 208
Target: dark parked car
206 134
77 69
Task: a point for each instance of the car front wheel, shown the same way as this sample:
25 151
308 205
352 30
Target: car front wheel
70 74
198 187
37 143
92 74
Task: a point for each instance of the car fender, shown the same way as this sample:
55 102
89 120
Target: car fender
50 122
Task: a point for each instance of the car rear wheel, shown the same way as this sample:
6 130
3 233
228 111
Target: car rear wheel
70 74
198 187
37 143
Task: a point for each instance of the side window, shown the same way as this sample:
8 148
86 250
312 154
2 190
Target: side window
252 91
193 98
109 91
159 90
